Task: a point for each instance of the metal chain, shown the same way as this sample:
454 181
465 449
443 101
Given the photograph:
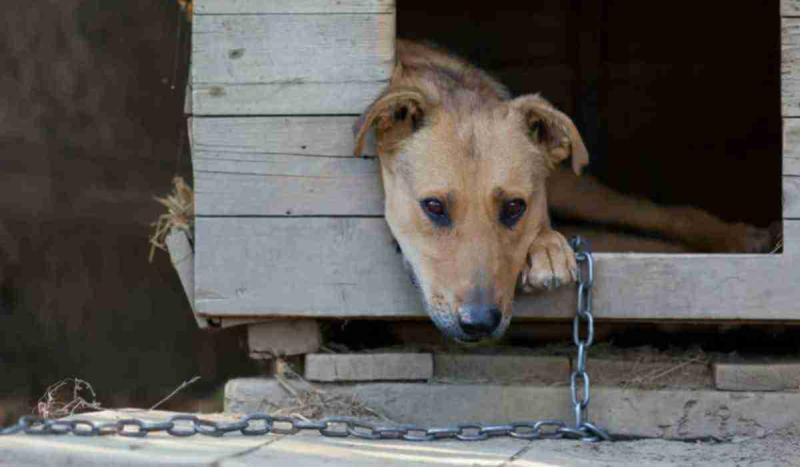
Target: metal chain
259 424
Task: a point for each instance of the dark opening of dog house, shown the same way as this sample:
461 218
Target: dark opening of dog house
678 105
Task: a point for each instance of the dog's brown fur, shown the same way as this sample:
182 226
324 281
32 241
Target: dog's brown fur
447 130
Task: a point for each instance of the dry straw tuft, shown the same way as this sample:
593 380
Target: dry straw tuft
66 397
179 215
311 402
187 7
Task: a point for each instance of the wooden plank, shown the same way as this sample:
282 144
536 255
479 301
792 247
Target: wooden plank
390 366
239 7
790 66
287 185
290 64
347 267
790 8
791 197
282 337
285 98
302 136
292 48
280 166
791 237
757 376
181 253
791 146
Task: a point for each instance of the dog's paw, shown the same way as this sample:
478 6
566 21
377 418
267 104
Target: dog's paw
551 263
745 238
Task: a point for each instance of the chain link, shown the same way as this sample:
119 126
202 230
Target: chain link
258 424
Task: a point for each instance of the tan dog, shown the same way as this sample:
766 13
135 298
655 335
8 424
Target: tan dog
465 171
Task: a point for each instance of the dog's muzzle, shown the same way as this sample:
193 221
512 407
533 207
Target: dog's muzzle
455 326
471 323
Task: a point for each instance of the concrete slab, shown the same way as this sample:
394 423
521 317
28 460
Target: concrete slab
369 367
310 450
155 449
665 413
649 374
244 395
500 368
757 376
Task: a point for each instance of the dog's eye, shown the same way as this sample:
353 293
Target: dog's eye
512 211
436 211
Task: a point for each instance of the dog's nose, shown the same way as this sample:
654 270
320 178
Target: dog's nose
478 320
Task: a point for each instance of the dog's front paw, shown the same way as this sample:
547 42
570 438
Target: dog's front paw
745 238
551 263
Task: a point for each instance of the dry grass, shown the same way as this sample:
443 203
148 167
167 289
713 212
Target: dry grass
67 397
311 402
179 215
187 7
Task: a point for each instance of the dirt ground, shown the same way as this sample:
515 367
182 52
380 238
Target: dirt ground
778 448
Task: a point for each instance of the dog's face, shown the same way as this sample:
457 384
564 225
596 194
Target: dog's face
466 198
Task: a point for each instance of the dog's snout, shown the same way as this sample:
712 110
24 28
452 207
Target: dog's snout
478 320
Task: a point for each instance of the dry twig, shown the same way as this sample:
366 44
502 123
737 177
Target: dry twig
180 388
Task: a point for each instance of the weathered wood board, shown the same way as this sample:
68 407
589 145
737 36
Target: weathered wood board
333 61
305 166
791 146
261 7
791 197
790 8
790 65
282 166
347 267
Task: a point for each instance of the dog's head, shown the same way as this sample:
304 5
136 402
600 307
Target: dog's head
466 197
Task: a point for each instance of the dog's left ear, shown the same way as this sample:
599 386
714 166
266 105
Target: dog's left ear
551 128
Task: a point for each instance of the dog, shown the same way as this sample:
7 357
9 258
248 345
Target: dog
470 175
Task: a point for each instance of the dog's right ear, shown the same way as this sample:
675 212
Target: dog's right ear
395 115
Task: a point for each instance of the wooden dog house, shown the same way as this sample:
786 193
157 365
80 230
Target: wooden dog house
289 223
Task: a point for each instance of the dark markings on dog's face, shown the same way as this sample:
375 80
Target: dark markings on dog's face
464 178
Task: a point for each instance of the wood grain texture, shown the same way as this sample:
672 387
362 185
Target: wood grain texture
239 7
790 8
182 256
289 64
304 136
791 240
791 197
790 66
347 267
791 146
282 166
284 98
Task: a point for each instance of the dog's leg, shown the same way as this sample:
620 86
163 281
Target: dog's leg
585 198
551 263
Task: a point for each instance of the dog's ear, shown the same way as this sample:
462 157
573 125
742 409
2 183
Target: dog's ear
395 115
551 128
